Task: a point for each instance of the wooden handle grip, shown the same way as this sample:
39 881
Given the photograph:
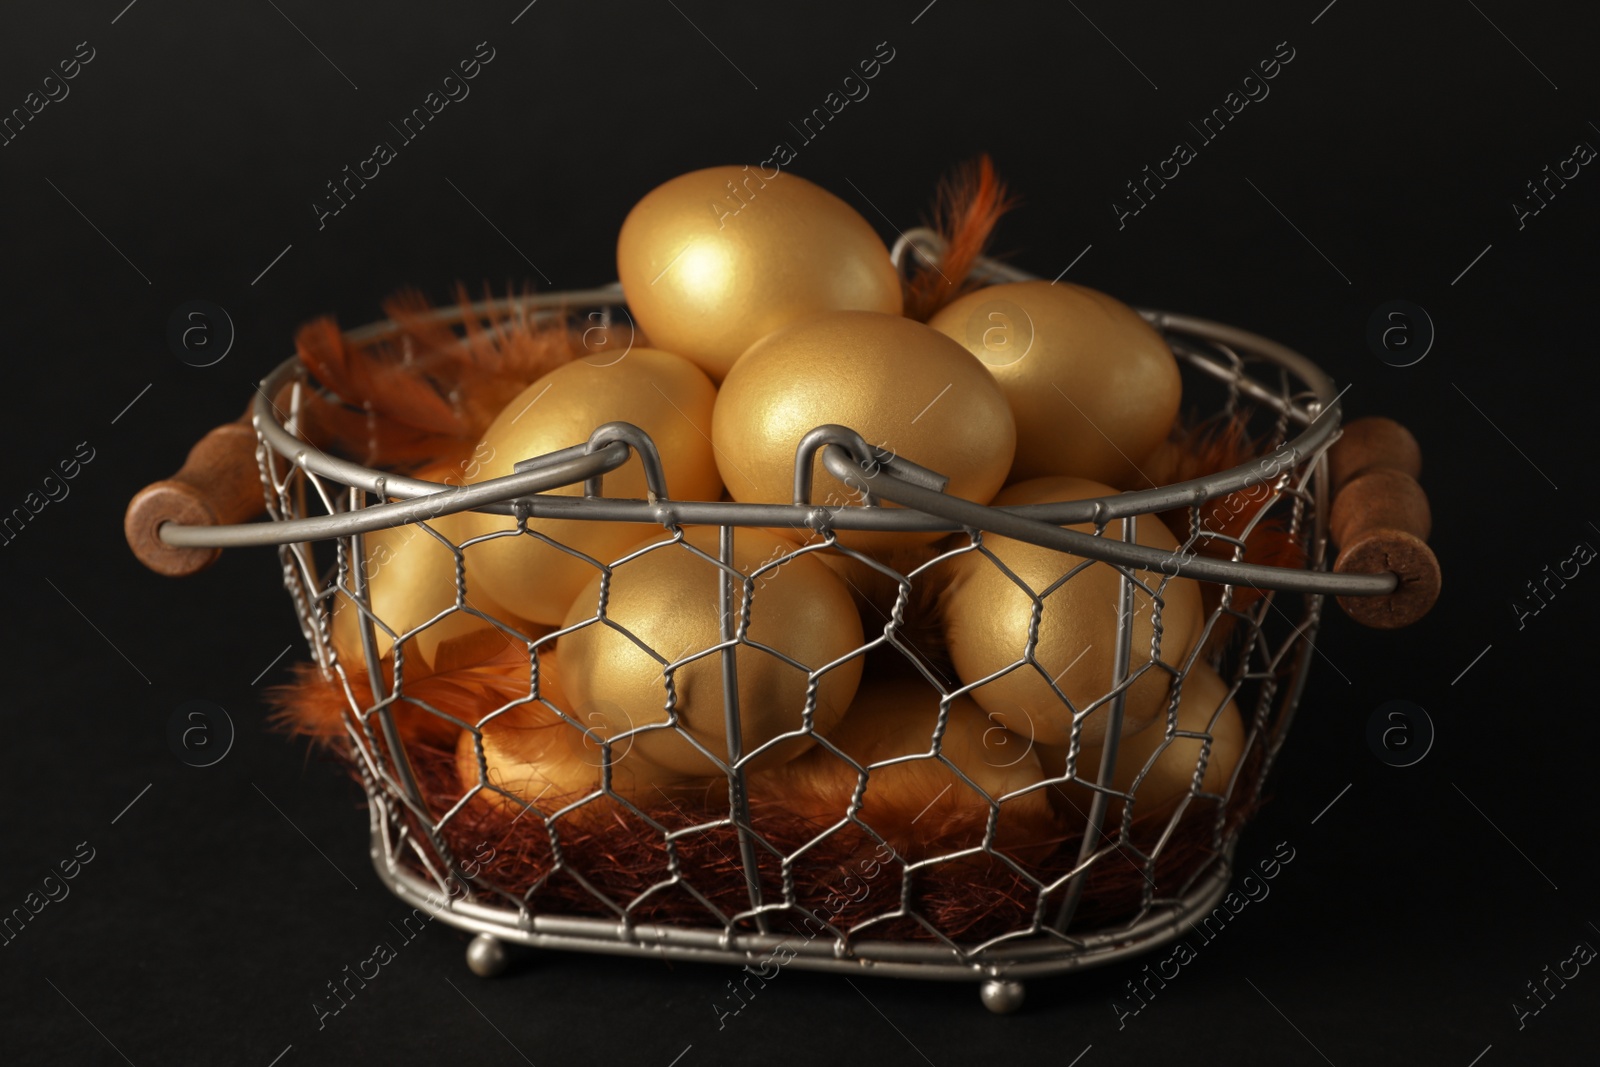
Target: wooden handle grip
1373 442
1405 554
1381 521
1380 498
218 485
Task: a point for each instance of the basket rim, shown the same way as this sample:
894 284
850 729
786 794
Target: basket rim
923 508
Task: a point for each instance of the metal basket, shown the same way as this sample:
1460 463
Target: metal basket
314 498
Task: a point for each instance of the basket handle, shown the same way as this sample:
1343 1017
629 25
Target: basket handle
1381 520
218 485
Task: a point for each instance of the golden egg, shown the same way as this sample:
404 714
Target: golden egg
665 395
920 801
1167 776
878 594
411 578
714 260
1093 386
668 599
904 387
546 763
986 619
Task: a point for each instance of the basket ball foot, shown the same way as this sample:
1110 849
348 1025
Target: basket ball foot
487 956
1002 997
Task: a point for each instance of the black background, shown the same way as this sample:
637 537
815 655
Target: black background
196 141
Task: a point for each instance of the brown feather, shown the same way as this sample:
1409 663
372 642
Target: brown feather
369 438
1206 448
968 205
376 377
427 392
314 705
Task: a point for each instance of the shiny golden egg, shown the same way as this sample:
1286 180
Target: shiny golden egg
905 388
986 617
1157 771
899 588
668 600
1093 386
665 395
919 802
532 758
714 260
411 579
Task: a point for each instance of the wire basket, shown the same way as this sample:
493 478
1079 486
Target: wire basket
734 879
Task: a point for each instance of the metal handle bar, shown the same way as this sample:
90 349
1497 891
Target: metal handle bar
1013 523
1038 524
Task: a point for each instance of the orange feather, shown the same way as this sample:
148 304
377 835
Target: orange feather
1207 448
314 705
968 205
427 392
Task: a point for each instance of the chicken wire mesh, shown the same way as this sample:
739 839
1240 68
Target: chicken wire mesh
727 865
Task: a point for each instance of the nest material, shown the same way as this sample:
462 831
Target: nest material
844 878
615 853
